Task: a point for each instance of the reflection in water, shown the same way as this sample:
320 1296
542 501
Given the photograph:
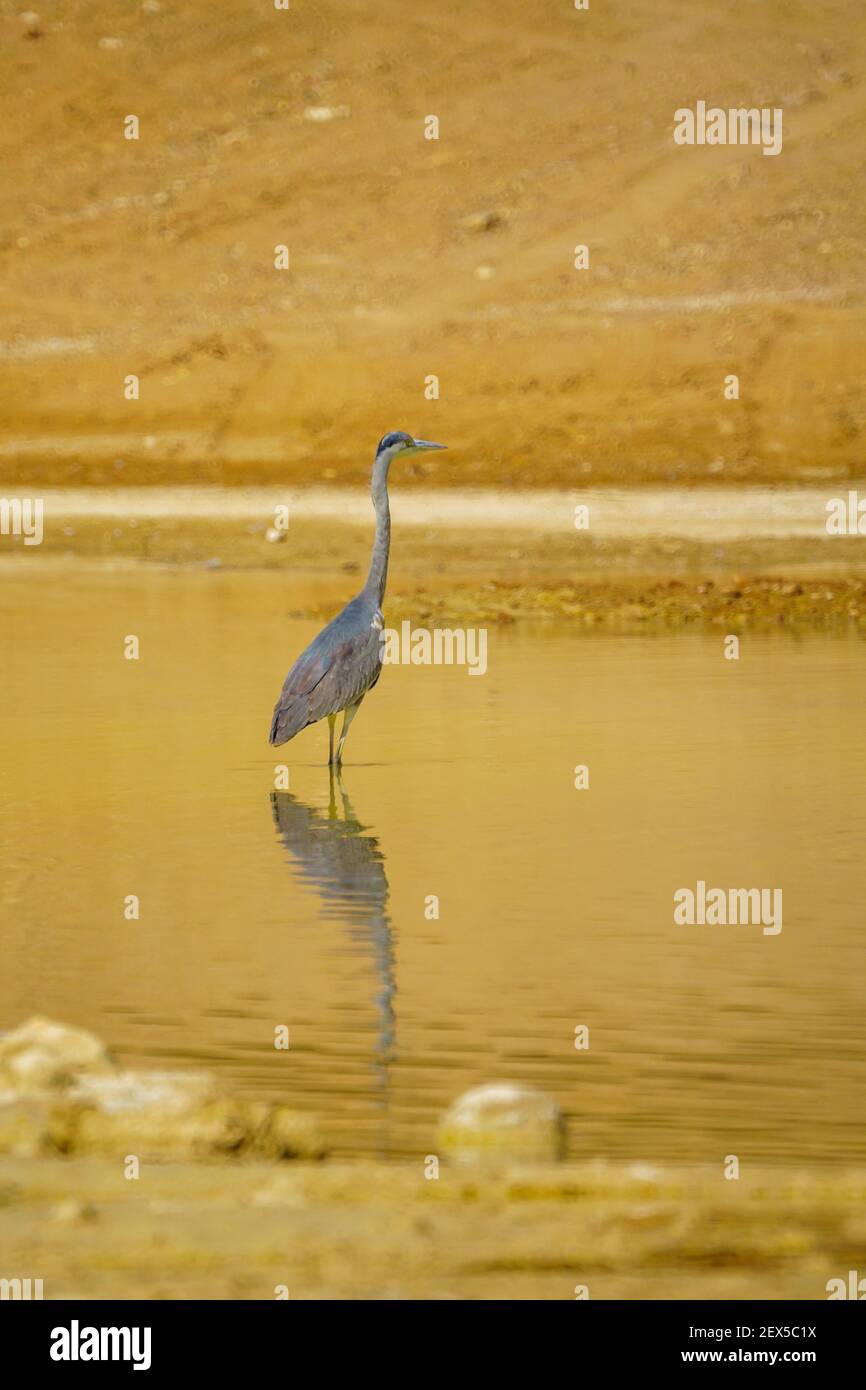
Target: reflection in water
557 905
347 869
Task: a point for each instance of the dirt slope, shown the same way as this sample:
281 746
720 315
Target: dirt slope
411 257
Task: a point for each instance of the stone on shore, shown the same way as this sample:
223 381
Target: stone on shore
60 1093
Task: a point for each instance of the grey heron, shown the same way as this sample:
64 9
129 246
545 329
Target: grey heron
345 660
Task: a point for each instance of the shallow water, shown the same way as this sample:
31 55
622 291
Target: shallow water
154 778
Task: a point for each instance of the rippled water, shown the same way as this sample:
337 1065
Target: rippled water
307 907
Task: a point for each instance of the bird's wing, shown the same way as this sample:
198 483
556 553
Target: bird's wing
328 676
307 671
292 710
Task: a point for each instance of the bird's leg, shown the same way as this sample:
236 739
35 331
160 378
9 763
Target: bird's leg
332 719
332 807
348 715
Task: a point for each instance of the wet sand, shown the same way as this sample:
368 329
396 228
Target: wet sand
648 559
375 1231
706 514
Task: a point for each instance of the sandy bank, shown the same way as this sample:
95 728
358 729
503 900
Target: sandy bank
704 514
347 1231
649 558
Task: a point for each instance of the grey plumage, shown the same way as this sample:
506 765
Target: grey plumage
344 661
336 670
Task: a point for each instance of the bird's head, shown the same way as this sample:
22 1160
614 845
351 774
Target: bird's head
398 444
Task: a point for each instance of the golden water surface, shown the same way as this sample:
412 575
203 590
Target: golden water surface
154 778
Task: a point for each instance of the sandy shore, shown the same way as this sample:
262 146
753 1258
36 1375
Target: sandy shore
704 514
349 1231
649 558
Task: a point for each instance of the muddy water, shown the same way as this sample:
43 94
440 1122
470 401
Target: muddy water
307 908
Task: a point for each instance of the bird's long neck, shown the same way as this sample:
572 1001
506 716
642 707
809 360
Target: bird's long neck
377 578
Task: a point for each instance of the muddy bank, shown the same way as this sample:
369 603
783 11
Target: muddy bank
376 1231
61 1092
647 562
708 514
412 258
141 1184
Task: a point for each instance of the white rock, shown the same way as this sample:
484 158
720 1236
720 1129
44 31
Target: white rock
41 1055
173 1091
326 113
503 1121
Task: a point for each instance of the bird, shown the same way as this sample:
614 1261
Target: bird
345 661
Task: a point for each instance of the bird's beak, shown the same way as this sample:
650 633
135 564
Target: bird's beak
422 445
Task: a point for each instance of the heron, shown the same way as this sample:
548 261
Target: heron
345 661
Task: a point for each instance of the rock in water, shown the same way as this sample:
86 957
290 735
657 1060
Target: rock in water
503 1122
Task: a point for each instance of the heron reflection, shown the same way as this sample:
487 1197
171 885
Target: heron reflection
336 856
